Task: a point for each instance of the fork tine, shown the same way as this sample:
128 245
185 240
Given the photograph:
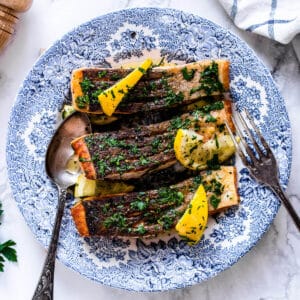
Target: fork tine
257 131
236 144
244 142
249 133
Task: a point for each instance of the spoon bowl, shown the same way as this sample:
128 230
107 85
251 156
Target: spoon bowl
59 150
58 153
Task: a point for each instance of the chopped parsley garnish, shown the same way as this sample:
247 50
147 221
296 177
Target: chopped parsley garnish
113 142
86 84
139 204
213 164
173 98
171 196
116 160
117 219
115 76
194 147
102 74
218 105
167 220
142 70
214 201
217 142
152 86
221 127
209 80
188 74
210 119
196 182
161 62
178 123
82 159
7 252
102 166
106 208
155 144
113 94
214 186
134 149
82 101
144 161
140 229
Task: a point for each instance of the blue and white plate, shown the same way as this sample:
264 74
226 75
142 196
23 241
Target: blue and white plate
165 262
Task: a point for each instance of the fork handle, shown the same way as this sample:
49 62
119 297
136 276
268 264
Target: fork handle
286 202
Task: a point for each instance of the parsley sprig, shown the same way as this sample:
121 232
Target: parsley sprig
7 252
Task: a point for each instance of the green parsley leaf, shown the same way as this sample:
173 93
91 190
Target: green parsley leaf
7 252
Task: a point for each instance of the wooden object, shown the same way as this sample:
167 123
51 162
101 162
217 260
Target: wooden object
9 16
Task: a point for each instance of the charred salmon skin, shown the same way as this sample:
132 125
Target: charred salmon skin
151 212
159 87
131 153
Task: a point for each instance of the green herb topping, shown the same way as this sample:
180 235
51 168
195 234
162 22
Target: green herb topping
209 80
140 229
213 164
102 74
216 188
169 195
82 101
188 74
117 219
86 84
214 201
7 252
115 76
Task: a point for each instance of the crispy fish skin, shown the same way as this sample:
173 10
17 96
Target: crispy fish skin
166 85
146 214
131 153
81 149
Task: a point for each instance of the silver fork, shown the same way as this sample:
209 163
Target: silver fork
262 164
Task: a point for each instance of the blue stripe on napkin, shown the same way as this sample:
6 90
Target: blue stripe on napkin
255 26
233 9
272 14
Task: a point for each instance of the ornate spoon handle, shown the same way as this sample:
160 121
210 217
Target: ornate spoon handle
44 289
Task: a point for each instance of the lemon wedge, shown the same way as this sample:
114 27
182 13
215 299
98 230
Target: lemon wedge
193 222
193 153
84 187
87 187
110 98
67 111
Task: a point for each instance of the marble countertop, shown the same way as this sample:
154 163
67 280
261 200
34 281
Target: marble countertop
270 271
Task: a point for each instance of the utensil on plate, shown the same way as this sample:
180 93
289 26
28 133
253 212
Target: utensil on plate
58 153
261 162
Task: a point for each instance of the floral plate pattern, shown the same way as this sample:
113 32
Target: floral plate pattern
165 262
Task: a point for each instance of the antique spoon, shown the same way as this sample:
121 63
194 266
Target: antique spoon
58 153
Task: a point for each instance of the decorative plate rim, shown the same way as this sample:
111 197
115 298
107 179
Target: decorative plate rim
18 101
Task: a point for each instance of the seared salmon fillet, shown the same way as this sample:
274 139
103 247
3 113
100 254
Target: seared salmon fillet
152 212
130 153
160 87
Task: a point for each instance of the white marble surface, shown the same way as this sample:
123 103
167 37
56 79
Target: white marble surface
270 271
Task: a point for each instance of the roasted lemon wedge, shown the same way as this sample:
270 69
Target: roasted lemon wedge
193 222
87 187
193 153
110 98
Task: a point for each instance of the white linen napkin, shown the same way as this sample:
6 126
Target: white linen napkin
276 19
